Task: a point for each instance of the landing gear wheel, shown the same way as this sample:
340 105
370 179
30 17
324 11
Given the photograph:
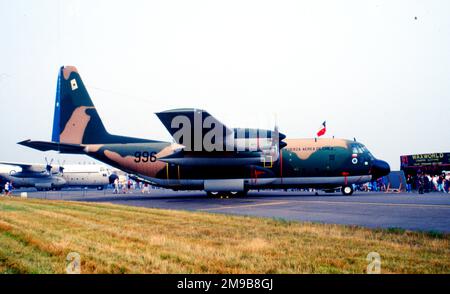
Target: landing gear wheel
212 194
227 195
236 194
347 190
243 193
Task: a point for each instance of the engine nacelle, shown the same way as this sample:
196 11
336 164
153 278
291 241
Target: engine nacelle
55 182
43 186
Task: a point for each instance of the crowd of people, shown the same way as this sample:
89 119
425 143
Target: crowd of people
420 183
426 183
372 186
127 186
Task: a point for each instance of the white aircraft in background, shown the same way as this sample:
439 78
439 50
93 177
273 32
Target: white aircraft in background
54 177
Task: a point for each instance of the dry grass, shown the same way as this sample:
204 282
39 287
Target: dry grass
36 236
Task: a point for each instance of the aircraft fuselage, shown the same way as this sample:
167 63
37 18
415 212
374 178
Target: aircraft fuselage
322 163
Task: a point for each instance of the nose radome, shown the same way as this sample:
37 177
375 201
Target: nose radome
380 169
112 178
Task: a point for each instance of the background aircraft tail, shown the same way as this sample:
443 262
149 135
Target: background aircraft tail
76 120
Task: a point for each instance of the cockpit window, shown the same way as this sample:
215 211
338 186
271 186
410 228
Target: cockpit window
360 149
357 148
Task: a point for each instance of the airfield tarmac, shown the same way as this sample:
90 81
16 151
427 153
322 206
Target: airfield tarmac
427 212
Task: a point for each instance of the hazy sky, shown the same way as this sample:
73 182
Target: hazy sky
375 70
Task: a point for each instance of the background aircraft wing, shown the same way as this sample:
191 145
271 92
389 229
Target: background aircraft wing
26 167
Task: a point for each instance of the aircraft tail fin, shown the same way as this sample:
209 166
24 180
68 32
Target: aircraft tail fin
76 120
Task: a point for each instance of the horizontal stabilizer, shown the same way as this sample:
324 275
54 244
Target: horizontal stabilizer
55 146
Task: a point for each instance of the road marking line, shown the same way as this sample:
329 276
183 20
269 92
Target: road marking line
329 203
380 204
246 205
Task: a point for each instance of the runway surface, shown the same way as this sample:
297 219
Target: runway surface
428 212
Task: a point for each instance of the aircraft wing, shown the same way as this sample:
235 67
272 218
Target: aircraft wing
26 167
189 120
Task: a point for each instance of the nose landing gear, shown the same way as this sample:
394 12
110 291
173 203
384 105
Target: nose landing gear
347 190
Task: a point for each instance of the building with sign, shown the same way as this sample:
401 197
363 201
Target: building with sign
430 163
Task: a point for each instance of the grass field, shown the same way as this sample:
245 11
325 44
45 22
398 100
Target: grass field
37 235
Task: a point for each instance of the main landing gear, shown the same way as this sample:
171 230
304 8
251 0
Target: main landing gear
228 194
347 190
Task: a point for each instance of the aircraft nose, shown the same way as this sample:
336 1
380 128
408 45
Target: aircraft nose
379 169
112 178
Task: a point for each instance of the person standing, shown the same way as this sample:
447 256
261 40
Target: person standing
7 189
434 183
146 189
426 184
116 186
123 186
440 184
421 184
447 183
409 181
129 185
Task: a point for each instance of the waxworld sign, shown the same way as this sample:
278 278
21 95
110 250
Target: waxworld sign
425 159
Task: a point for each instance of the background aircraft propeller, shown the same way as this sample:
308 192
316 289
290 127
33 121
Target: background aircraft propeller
48 166
61 166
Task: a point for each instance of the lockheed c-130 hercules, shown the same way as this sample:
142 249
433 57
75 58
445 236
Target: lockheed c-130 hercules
206 154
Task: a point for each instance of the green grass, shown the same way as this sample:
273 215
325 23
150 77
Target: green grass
36 236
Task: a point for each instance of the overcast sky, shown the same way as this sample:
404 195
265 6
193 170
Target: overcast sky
375 70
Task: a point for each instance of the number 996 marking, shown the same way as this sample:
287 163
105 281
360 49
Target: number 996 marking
144 156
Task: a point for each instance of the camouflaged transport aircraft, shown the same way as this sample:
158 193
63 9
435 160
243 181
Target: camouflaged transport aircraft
206 154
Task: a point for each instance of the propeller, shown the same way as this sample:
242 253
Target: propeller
277 136
273 152
61 166
275 148
48 166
